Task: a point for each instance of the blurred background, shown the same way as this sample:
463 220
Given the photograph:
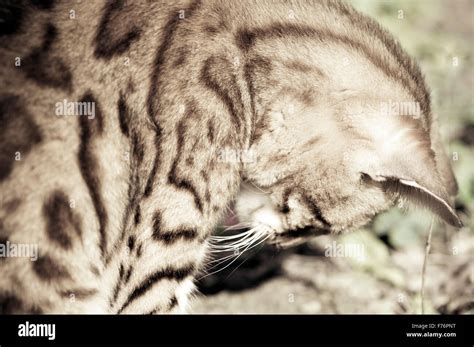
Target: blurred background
387 277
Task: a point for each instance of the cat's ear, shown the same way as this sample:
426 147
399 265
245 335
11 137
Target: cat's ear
435 198
412 173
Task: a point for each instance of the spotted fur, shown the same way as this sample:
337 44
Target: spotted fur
122 203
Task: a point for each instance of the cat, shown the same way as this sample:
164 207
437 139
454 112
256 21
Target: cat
129 127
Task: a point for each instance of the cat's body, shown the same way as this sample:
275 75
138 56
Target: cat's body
121 201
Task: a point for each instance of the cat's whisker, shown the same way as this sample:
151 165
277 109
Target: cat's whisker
251 235
253 238
231 237
235 244
240 234
220 261
249 247
237 226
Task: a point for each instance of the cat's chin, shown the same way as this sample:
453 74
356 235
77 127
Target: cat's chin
295 237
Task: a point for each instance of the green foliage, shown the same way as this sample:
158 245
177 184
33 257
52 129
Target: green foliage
376 259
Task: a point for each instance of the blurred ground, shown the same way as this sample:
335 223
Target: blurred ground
440 34
386 281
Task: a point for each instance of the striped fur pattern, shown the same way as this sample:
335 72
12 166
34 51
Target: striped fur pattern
122 204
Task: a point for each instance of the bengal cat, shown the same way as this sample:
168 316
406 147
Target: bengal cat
125 125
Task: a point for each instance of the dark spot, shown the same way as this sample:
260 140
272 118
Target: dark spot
298 66
134 187
11 304
140 250
306 97
138 150
94 270
131 242
128 275
156 163
43 65
311 142
217 27
46 268
18 132
11 17
11 205
43 4
61 221
244 39
173 303
257 67
205 175
210 131
212 30
181 56
157 223
124 115
171 236
89 167
284 207
190 161
117 285
117 30
137 218
316 211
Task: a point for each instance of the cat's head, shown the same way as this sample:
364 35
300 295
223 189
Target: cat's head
332 164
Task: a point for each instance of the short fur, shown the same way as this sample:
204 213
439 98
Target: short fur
121 206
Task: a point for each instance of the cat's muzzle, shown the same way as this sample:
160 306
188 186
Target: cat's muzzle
295 237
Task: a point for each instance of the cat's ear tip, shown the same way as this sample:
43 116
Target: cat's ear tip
455 222
453 219
458 223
